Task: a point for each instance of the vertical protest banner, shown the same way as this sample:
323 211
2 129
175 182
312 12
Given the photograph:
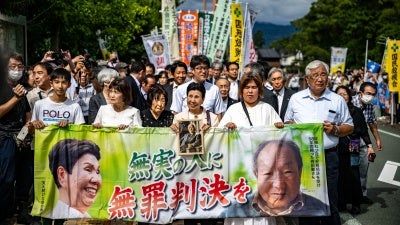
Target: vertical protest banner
170 27
249 52
205 25
338 59
138 174
157 50
188 35
220 31
237 30
392 63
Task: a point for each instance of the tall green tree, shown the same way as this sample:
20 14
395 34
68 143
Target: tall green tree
77 24
344 23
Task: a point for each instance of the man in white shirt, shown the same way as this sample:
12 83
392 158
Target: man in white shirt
233 72
212 101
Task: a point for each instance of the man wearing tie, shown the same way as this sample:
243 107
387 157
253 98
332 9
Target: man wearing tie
179 71
280 95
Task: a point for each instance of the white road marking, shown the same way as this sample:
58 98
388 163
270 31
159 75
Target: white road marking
349 219
389 133
388 173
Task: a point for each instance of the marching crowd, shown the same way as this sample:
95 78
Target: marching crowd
76 90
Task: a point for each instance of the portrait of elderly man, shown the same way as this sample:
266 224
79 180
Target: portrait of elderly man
277 166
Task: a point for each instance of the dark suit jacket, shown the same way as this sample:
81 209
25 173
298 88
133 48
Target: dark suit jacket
312 207
138 99
268 98
231 101
169 89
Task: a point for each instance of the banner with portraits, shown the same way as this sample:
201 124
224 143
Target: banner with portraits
157 50
138 175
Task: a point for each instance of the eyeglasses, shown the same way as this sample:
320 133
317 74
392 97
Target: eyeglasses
14 67
316 75
201 68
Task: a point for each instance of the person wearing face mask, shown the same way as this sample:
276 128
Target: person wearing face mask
364 100
14 113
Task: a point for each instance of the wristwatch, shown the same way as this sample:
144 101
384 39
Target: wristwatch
336 130
369 145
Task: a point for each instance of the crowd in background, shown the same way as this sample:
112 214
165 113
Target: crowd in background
118 94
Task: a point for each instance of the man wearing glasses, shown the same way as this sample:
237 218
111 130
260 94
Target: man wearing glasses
212 101
14 112
317 104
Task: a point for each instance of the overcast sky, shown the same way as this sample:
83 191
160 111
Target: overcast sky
270 11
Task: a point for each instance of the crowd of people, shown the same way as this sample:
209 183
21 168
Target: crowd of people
76 90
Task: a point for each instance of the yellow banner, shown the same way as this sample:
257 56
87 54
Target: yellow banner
236 33
392 63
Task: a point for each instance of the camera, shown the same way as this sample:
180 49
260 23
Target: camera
371 157
58 57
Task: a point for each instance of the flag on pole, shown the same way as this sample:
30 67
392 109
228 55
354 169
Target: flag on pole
392 64
372 66
338 59
170 27
236 33
249 52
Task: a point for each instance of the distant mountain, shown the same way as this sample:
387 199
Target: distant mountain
273 32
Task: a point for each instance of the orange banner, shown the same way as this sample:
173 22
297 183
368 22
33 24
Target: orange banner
188 35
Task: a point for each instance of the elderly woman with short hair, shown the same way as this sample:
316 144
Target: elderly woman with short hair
105 77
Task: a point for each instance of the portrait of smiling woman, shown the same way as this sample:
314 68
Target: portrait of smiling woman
75 167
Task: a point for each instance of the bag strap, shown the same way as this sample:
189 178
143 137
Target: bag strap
208 118
247 113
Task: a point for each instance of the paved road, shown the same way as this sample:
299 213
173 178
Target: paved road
383 184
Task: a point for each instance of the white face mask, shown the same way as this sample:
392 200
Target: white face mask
14 75
367 99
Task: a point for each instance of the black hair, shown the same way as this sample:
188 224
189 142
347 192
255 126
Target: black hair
177 64
155 93
198 60
61 73
196 87
136 67
67 152
367 84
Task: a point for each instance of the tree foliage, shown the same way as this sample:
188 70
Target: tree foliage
344 23
77 24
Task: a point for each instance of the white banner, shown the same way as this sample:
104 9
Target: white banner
170 27
157 50
249 51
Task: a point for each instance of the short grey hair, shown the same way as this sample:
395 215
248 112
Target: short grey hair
273 70
315 64
106 74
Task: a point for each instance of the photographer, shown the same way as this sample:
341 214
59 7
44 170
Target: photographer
14 111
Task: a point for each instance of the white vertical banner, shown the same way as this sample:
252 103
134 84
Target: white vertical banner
157 50
170 27
220 31
249 52
338 59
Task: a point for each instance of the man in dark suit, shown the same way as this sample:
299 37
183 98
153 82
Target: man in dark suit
134 80
279 96
224 85
179 71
